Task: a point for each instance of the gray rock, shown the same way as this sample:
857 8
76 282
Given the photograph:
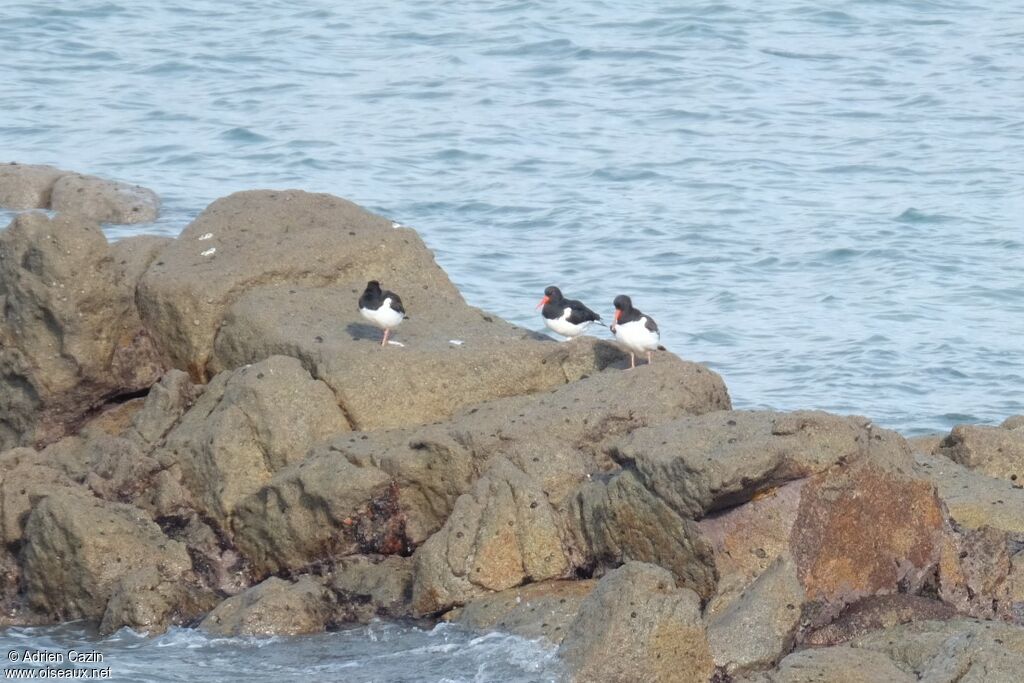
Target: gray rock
21 487
503 534
104 201
77 547
536 610
70 336
247 425
274 607
760 627
637 626
27 186
878 612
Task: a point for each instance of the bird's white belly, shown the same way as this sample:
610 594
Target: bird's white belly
384 317
566 328
636 337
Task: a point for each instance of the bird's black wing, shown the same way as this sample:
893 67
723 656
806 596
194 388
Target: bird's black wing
650 324
396 302
578 313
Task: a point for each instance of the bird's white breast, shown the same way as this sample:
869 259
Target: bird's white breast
384 317
565 328
636 337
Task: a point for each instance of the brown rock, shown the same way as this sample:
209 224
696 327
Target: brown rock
974 573
996 451
70 337
77 547
637 626
556 438
247 425
366 588
147 601
287 238
878 612
104 201
839 664
536 610
974 499
27 186
503 534
621 521
274 607
759 627
21 487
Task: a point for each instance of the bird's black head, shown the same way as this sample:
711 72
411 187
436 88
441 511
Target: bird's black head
373 286
553 293
623 303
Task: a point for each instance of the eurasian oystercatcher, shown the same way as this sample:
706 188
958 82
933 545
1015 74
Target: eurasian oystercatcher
382 308
635 330
567 317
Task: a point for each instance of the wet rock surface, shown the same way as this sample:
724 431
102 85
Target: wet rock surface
203 430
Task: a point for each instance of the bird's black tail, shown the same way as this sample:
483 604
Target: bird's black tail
662 348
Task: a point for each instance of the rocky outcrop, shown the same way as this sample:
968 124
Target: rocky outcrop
104 201
274 607
369 587
637 625
77 547
389 491
70 337
839 664
27 186
145 601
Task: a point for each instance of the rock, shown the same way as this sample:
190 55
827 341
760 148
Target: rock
27 186
1013 422
748 539
283 238
274 607
104 201
536 610
77 547
925 445
953 651
21 487
317 511
147 601
70 337
247 425
366 588
637 626
760 627
556 438
1015 587
974 499
974 573
708 462
878 612
503 534
621 520
996 451
167 401
839 664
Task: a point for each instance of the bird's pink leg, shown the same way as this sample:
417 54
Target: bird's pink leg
632 359
384 341
649 357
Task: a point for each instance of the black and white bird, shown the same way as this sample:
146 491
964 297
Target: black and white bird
382 308
567 317
635 330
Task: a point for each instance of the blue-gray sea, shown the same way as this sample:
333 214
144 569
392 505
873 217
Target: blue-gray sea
822 201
